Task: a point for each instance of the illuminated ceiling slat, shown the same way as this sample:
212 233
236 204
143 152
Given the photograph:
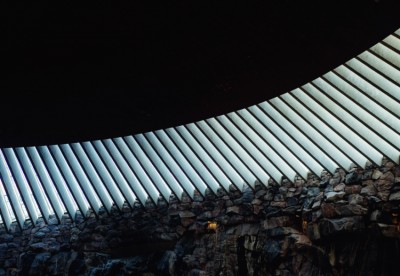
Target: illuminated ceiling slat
348 116
146 153
184 164
180 176
199 165
79 179
22 183
361 99
127 173
43 175
11 190
119 178
387 54
101 170
40 195
259 154
59 181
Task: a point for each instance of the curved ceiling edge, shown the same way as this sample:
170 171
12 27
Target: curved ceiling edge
347 118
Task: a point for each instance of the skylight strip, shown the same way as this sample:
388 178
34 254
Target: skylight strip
237 124
141 191
59 182
378 80
213 152
219 172
229 154
83 182
341 129
11 190
146 173
28 198
251 149
22 184
69 179
41 197
363 100
222 171
170 163
277 132
371 121
182 162
310 146
381 65
209 173
333 152
48 185
369 89
145 153
248 155
387 54
393 41
117 175
6 212
104 195
179 174
348 150
100 170
385 148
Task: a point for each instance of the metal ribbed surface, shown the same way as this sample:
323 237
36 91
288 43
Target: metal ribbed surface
348 116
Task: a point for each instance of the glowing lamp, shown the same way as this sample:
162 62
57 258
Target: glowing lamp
212 225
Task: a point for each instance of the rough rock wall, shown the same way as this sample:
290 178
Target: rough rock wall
341 224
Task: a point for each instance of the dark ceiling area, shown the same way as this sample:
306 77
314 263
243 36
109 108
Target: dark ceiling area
105 69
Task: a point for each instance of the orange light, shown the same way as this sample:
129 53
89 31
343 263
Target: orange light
212 225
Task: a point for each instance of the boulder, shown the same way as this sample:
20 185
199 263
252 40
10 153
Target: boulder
279 204
334 196
313 191
186 214
353 189
356 199
328 210
233 210
353 177
376 174
383 185
384 195
351 210
394 196
369 190
375 215
339 187
276 222
334 226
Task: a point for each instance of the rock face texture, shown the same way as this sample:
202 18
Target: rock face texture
341 224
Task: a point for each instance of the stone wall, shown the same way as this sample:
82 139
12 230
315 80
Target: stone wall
328 225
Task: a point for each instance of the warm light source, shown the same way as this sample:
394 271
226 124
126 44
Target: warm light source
212 225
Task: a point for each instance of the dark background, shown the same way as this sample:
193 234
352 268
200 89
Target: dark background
98 70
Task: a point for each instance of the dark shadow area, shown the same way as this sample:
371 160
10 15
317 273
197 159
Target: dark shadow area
105 69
